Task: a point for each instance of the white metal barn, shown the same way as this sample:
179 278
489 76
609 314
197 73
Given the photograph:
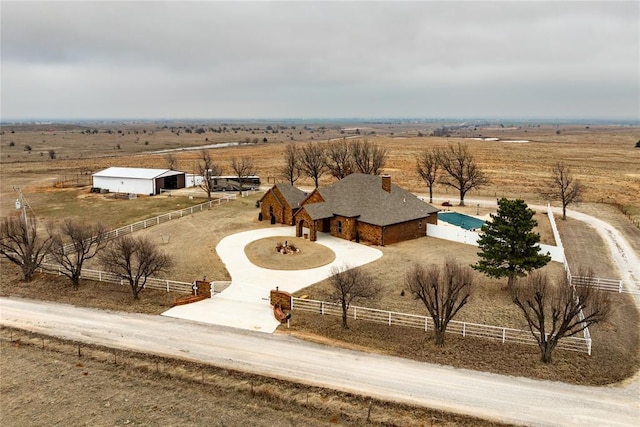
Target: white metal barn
138 180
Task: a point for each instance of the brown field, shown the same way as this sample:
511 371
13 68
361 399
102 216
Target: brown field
123 388
603 158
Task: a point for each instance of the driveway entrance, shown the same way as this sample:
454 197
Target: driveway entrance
245 303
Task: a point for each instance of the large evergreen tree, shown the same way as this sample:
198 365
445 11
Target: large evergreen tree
508 245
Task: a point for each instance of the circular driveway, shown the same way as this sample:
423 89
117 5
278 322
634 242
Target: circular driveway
245 303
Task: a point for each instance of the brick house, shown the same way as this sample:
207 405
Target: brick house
281 202
364 207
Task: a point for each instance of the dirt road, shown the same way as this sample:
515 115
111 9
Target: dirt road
508 399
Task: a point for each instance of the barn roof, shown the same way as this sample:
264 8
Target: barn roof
362 196
136 173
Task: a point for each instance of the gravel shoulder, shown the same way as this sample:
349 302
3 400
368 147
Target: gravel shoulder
503 398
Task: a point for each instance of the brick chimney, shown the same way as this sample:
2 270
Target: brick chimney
386 183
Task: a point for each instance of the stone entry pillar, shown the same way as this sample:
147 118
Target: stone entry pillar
204 288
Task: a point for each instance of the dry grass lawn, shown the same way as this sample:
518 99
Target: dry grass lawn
263 253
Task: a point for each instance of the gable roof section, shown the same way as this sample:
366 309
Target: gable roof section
293 196
136 173
362 196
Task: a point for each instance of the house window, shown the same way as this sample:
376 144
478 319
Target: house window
420 224
339 227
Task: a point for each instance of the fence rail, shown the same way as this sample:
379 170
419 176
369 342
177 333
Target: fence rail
103 276
466 329
611 285
152 283
146 223
141 225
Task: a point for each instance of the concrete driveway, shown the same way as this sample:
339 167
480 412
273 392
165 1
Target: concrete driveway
245 303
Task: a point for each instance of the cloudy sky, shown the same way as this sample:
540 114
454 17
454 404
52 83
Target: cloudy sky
497 59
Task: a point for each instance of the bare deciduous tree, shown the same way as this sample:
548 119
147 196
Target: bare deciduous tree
74 243
207 169
427 167
564 186
242 168
443 291
555 312
134 259
312 161
368 157
171 161
463 173
351 284
21 244
339 158
291 169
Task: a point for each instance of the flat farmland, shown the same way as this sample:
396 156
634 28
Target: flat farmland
603 158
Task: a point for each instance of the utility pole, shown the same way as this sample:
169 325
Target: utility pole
21 204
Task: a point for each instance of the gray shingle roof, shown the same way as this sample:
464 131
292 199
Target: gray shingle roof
292 195
362 196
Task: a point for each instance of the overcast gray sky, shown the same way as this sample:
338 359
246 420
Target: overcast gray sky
497 59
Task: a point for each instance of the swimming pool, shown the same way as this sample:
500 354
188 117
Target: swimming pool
461 220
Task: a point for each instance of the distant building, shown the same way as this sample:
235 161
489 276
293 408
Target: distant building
138 180
359 207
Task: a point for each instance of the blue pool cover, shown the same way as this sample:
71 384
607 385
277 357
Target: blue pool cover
461 220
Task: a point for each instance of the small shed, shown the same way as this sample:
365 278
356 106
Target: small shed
138 180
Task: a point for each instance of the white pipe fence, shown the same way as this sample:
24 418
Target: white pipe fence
466 329
152 282
141 225
610 285
460 235
104 276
